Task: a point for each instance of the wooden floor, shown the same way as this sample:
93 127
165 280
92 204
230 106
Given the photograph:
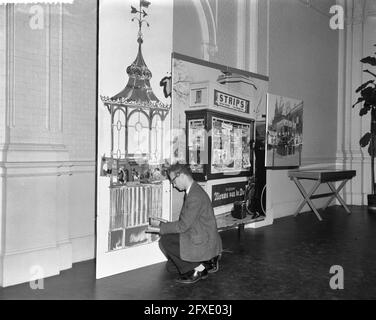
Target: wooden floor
290 259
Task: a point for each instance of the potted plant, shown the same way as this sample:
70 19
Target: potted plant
368 97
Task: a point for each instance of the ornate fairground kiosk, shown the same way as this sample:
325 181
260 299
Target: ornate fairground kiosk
135 166
220 137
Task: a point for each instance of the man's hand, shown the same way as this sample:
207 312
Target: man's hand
156 221
150 229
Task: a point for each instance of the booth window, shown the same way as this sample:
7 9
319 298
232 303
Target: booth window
138 133
118 126
156 138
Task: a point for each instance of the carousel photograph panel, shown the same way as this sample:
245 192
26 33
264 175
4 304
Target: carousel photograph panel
284 131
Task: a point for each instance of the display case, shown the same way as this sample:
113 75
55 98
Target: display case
219 145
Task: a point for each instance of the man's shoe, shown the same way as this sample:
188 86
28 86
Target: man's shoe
192 276
212 265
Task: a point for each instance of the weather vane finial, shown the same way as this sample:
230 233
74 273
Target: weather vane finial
142 15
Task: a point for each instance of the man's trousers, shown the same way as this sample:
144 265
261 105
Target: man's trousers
170 246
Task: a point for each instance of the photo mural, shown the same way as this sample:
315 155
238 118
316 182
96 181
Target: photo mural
284 131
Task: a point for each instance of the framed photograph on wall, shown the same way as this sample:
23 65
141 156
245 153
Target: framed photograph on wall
284 132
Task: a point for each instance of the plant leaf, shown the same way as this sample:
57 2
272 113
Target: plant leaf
364 111
360 99
366 91
369 60
133 10
368 94
365 139
364 85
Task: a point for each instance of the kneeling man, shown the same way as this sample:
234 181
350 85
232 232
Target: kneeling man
192 243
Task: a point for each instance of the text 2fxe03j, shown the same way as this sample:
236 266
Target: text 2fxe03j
190 309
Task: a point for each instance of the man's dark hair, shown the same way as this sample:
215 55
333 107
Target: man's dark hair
179 168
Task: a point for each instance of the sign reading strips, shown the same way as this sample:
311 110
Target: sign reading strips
228 193
229 101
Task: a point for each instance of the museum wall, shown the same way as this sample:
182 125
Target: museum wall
303 65
47 138
79 86
218 31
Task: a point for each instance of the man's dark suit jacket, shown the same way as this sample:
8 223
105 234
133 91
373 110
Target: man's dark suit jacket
197 226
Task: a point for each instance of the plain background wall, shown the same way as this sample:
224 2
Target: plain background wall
303 64
187 34
79 118
47 139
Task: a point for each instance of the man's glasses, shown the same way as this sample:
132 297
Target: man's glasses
174 178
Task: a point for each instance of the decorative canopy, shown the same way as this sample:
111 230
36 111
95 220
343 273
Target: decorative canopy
138 92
